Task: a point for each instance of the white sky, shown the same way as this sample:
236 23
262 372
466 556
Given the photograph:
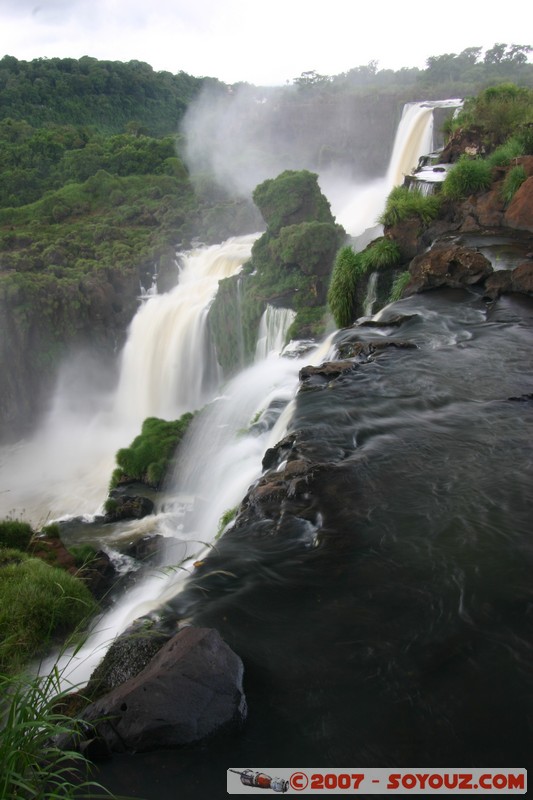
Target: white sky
266 42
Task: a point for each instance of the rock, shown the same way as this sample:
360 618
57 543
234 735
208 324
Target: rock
453 266
125 506
498 283
519 215
99 575
147 548
129 654
190 690
522 278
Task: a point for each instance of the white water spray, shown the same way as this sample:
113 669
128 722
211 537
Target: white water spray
273 329
358 208
168 367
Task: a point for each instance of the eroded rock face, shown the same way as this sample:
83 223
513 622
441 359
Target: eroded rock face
190 689
519 215
453 266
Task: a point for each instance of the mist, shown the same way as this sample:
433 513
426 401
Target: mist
246 135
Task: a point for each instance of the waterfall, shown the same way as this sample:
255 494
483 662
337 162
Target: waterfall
371 294
273 328
169 363
358 207
219 459
414 137
167 367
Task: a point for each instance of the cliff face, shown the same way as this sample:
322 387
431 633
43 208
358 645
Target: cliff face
42 320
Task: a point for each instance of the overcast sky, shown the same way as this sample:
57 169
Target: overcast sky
266 42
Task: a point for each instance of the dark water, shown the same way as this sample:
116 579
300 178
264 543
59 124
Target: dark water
383 606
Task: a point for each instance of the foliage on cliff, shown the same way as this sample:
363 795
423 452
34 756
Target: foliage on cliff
349 279
290 266
148 457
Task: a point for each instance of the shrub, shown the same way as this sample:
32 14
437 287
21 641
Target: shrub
148 457
466 177
398 286
342 288
14 533
381 253
513 180
504 154
404 203
498 111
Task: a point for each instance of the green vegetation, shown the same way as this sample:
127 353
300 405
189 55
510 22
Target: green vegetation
227 517
15 533
466 177
31 764
38 603
148 457
506 152
348 283
290 198
398 286
513 181
498 112
380 254
404 203
111 95
346 274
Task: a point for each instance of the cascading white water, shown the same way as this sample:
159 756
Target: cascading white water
169 364
273 328
359 207
168 367
414 138
219 460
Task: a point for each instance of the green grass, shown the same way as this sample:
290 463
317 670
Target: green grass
398 286
513 181
381 253
342 288
38 603
505 153
31 764
403 203
15 533
466 177
148 457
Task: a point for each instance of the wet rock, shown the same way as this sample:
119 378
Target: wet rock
498 283
125 506
147 548
129 654
189 691
522 278
99 575
453 266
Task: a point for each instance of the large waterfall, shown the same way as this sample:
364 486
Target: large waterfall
377 585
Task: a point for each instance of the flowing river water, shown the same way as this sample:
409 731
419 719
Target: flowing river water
383 610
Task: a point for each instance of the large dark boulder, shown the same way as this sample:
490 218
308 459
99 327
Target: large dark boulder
190 689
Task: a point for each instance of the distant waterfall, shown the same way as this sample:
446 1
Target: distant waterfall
358 207
169 364
414 138
273 328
